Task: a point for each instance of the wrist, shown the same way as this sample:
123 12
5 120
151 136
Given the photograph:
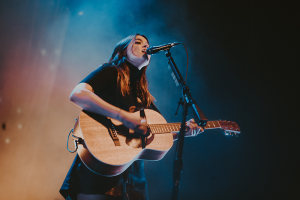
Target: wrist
122 115
119 117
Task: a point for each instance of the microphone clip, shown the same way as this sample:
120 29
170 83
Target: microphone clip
155 49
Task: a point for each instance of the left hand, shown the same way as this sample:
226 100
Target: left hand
194 129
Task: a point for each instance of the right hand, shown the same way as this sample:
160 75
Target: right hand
134 122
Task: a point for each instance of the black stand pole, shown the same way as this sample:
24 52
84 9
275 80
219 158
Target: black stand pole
199 118
178 161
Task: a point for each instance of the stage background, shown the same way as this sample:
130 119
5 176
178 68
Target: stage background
241 68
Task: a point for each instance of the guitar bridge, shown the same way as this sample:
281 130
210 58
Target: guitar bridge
113 133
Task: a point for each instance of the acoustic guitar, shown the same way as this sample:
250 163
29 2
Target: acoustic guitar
108 148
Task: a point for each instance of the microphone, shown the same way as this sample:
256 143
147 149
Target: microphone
156 49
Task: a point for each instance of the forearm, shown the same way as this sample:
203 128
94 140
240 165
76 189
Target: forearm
89 101
83 95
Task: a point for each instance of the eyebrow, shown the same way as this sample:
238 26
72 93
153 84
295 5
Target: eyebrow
141 40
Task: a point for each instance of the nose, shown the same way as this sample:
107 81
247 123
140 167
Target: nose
146 46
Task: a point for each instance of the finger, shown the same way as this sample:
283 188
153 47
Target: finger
193 125
143 121
191 121
141 130
200 130
193 132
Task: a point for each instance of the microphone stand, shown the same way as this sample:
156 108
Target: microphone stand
200 119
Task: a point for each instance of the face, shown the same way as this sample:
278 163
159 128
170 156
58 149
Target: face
139 46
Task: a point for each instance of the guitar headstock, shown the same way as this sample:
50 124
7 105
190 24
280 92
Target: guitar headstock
230 128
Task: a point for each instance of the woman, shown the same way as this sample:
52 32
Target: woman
115 90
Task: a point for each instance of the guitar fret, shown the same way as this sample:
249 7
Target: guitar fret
212 124
164 128
172 127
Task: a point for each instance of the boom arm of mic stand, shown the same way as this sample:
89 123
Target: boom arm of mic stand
200 118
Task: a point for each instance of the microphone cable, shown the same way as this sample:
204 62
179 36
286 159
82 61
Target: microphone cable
187 62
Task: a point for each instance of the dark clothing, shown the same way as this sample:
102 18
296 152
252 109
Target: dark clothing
131 184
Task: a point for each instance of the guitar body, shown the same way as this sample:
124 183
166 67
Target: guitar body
100 154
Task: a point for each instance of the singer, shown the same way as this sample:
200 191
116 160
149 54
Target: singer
115 90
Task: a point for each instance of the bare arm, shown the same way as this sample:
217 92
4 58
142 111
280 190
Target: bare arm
83 95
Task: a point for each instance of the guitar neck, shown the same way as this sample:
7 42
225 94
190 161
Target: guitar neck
174 127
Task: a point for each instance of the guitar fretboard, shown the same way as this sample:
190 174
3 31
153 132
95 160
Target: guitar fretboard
174 127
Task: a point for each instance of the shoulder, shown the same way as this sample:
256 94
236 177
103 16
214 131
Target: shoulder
101 77
107 69
103 72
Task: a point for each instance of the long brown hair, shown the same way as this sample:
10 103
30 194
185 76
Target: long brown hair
117 60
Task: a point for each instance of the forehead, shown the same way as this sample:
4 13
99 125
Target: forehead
141 38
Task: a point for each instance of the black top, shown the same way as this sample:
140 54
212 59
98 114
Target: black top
131 184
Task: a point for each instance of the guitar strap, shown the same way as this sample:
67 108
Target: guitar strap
144 138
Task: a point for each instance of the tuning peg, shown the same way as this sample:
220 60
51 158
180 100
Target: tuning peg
232 133
227 133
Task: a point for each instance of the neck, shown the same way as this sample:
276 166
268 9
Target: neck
134 71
